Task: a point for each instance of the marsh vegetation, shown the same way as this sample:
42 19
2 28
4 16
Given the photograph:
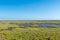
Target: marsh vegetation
29 30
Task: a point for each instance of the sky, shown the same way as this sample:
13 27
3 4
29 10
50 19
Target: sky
29 9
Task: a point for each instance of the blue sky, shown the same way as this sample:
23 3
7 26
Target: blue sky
29 9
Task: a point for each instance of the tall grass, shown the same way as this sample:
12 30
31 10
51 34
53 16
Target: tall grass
31 34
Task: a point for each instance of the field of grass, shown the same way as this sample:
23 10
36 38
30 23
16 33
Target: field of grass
31 34
11 30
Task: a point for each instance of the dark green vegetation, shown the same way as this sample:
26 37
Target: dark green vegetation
30 30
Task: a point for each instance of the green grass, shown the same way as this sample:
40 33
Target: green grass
31 34
13 31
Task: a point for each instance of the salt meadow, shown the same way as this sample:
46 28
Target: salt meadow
30 30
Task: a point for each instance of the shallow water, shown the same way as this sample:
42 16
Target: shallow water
40 25
46 25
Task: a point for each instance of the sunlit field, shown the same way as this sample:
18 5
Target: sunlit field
29 30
